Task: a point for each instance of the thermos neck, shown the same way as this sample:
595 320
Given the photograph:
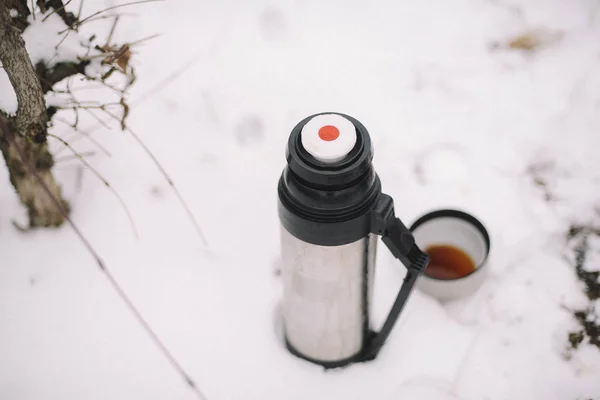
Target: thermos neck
330 175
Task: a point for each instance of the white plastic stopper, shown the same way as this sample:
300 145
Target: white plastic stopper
328 137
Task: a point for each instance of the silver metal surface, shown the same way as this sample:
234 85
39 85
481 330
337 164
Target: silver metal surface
325 304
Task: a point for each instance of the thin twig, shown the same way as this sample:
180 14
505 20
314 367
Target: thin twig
95 172
145 39
167 178
125 113
92 57
86 106
80 9
113 282
33 9
50 84
59 43
56 10
75 101
187 378
76 123
84 88
113 7
58 160
173 76
217 40
101 17
83 133
112 30
108 85
95 117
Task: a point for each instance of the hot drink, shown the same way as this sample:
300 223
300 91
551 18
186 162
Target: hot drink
448 262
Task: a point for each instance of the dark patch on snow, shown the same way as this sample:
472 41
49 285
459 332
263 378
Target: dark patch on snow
589 332
581 248
277 268
575 339
272 23
574 230
540 173
156 191
591 329
250 130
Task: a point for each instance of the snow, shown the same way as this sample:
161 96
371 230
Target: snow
455 122
8 98
47 40
13 13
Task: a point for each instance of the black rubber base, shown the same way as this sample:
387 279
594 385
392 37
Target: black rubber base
359 357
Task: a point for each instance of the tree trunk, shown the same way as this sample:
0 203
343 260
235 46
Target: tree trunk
42 211
23 137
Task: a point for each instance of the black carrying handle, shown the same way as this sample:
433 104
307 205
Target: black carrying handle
401 242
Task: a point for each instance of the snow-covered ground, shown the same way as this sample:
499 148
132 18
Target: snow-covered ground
457 119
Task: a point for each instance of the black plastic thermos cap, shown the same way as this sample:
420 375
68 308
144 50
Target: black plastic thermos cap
328 204
338 200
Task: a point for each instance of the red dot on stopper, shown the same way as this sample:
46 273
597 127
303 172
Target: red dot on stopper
329 133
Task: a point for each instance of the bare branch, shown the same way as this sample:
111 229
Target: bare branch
84 134
20 5
86 106
60 9
31 113
97 118
19 20
101 17
112 31
4 131
84 88
101 178
125 113
42 5
84 154
80 9
167 178
145 39
80 22
61 71
105 84
173 76
68 31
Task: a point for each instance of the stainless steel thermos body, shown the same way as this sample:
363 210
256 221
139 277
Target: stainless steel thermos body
332 213
327 296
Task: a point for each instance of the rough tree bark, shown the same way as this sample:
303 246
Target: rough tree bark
41 209
28 129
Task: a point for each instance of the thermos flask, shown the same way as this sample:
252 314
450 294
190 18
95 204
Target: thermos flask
332 211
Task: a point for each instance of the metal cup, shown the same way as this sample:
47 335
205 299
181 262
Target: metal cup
459 229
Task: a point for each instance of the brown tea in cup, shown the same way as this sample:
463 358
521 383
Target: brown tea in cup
448 262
